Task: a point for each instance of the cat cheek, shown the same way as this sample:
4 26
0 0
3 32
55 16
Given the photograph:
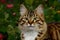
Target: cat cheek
42 15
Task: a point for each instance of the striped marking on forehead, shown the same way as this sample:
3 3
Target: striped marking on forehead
31 13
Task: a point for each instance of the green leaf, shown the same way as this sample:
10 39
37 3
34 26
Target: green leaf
29 2
6 16
1 7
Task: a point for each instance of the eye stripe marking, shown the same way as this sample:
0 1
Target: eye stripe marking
40 32
41 20
38 35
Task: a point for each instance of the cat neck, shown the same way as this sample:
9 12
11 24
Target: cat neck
30 35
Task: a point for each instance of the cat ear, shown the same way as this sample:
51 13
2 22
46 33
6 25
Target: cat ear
23 9
39 11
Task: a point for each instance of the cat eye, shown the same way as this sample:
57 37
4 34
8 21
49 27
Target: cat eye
35 18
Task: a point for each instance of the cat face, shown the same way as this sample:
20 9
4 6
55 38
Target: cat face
31 20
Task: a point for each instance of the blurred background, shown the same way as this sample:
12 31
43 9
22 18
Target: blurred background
9 15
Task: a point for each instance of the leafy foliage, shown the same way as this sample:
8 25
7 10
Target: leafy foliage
9 15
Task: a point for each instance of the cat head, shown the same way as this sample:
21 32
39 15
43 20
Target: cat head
31 20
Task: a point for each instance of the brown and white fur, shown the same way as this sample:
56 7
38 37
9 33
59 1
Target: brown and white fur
32 23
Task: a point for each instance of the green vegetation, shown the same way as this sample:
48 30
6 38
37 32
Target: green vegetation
9 14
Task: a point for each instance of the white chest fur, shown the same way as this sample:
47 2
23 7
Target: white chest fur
30 35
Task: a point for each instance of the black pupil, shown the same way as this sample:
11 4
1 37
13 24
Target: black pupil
26 18
35 18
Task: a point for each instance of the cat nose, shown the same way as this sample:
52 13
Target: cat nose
30 22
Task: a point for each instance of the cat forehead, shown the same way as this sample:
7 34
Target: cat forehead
31 13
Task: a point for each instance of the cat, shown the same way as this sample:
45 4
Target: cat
32 23
54 30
